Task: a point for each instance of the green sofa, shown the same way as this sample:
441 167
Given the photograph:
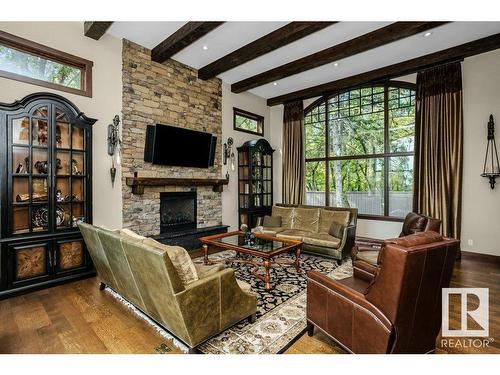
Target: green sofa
146 277
313 226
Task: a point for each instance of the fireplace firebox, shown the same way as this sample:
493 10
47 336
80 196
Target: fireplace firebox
177 211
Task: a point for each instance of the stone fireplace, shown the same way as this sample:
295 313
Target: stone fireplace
177 211
168 93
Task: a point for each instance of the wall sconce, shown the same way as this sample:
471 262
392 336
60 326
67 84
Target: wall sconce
114 147
228 153
491 168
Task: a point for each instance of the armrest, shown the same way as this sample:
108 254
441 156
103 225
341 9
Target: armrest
346 293
348 241
364 270
365 243
216 298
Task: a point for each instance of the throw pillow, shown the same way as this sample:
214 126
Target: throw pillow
336 230
132 234
180 260
272 221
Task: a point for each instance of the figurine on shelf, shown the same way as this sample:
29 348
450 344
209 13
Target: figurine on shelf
72 198
20 168
42 134
58 136
42 167
74 168
59 196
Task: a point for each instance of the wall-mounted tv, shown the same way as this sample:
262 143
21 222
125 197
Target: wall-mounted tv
171 145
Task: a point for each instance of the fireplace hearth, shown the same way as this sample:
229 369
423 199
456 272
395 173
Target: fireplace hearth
178 221
177 211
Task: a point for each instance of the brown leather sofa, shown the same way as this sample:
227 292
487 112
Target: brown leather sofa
147 278
368 249
312 225
399 311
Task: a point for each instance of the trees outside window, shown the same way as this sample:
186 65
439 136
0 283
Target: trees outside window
248 122
27 61
359 150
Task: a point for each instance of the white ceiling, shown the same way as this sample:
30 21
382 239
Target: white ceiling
233 35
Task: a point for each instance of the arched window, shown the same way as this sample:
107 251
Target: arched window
359 150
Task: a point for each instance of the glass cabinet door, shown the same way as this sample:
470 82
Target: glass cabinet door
243 179
29 171
70 161
47 171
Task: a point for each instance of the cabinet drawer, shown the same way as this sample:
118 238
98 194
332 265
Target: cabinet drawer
70 255
29 262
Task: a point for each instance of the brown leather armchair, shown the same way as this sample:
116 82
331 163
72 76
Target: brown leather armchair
399 311
368 249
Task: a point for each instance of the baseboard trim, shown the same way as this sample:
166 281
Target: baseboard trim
495 259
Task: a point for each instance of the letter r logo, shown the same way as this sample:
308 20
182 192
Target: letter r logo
479 314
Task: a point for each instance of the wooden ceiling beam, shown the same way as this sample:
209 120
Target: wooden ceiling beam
460 52
96 29
363 43
186 35
274 40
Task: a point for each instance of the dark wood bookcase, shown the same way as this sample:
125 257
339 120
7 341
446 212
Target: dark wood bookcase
255 181
45 174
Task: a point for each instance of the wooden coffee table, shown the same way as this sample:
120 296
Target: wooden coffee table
265 247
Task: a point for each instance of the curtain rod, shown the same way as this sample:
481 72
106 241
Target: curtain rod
440 64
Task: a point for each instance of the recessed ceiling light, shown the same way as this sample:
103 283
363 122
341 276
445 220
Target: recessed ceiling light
428 33
205 48
275 83
335 64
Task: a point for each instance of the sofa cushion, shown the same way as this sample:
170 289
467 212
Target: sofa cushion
180 259
286 213
272 231
336 230
323 240
131 234
327 217
244 286
306 219
369 256
293 234
272 221
206 270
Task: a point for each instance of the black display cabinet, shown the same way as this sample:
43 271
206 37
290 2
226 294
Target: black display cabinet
45 170
255 181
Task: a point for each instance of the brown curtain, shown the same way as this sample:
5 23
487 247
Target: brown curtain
293 153
438 146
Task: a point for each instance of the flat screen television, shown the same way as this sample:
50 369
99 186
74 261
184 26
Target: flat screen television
171 145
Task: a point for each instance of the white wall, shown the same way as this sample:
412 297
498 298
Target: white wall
480 204
250 103
104 104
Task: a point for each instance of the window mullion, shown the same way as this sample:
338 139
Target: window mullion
386 150
327 153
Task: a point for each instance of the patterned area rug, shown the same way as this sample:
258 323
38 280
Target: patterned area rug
281 311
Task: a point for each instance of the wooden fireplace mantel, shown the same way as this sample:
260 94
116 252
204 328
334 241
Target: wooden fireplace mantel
138 183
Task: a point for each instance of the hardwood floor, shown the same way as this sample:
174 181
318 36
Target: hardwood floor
78 318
